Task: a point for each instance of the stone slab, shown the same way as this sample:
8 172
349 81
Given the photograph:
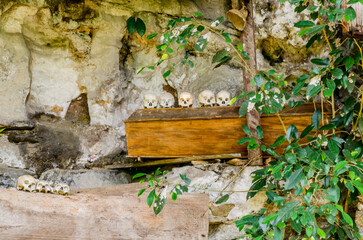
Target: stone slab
105 213
9 176
77 179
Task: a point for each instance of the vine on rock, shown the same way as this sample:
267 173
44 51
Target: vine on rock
313 183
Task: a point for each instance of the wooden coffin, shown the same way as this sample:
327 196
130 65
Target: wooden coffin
184 132
354 28
113 212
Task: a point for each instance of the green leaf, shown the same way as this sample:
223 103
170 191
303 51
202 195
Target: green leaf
359 186
350 14
227 37
197 14
166 74
304 219
315 30
258 79
333 193
259 132
339 166
306 131
321 233
185 179
348 62
269 218
150 198
174 196
321 62
223 199
201 44
140 27
309 231
131 25
315 119
303 32
243 109
339 3
141 192
224 60
246 130
240 47
219 56
327 92
169 50
296 226
291 158
159 205
294 179
256 187
137 175
292 132
327 127
151 36
164 56
191 63
351 83
333 147
312 90
347 218
280 140
337 73
244 140
304 24
140 70
270 72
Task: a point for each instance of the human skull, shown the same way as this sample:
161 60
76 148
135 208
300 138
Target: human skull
206 99
62 189
43 186
223 98
166 100
26 183
150 101
186 99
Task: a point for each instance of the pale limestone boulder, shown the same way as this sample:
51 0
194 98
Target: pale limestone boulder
12 20
14 79
9 176
77 179
10 154
359 217
214 177
53 70
103 78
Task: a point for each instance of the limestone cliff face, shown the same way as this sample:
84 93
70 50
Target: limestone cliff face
68 70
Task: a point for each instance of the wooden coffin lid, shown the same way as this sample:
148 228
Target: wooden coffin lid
199 113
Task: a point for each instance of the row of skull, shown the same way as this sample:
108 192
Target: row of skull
30 184
205 99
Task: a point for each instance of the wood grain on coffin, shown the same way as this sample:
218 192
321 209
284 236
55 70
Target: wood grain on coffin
113 212
168 133
354 28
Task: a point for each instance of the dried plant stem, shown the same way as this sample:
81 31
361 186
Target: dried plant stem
282 122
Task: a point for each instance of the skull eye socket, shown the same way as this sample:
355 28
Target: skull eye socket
188 99
220 98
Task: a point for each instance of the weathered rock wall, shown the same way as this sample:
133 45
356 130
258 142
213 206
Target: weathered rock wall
68 71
